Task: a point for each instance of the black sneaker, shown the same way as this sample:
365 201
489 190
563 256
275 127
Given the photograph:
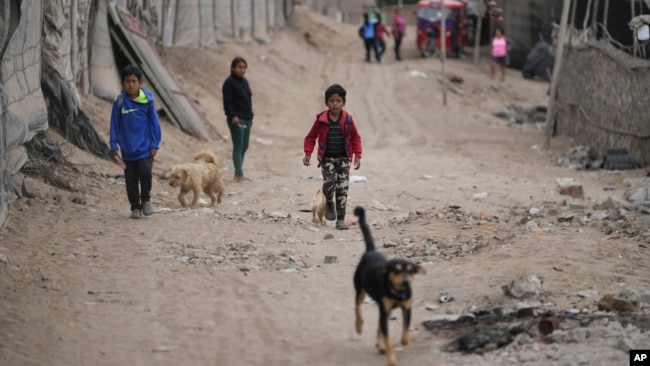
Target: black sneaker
329 211
341 225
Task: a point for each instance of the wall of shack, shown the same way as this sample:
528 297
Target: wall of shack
603 96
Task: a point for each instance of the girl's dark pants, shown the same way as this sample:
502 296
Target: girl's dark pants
336 173
138 181
240 135
398 43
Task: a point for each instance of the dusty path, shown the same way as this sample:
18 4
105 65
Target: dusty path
245 284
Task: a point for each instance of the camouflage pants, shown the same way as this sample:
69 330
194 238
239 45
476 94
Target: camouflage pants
336 173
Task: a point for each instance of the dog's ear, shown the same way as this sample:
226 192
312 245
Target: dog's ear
184 172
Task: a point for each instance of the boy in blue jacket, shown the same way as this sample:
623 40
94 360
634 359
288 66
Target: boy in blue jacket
135 133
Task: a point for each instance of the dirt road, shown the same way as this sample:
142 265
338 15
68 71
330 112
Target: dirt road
246 283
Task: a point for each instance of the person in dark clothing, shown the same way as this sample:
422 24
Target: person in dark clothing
135 133
238 106
368 32
339 143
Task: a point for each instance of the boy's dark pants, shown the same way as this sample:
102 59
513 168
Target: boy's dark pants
336 173
138 181
371 44
240 135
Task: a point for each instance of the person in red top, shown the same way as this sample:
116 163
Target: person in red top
339 143
380 30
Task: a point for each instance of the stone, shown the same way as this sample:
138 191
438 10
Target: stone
523 287
30 189
614 303
569 187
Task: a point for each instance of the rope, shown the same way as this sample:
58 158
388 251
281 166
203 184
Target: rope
608 129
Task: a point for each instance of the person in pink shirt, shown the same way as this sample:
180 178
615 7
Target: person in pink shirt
499 53
399 31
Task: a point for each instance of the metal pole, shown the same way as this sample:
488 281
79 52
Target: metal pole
443 50
550 114
606 15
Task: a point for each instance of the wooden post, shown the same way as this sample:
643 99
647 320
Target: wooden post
594 19
74 44
443 51
550 113
477 34
573 14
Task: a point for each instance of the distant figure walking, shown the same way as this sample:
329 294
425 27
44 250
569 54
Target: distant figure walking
368 32
399 31
381 30
499 54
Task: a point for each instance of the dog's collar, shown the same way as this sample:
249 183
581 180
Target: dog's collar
400 295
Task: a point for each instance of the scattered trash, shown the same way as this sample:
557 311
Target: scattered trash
548 324
581 157
445 297
4 259
358 178
480 196
516 114
331 259
534 211
291 270
417 74
263 141
619 159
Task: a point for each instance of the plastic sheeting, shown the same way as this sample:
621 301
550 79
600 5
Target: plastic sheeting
23 108
205 23
103 69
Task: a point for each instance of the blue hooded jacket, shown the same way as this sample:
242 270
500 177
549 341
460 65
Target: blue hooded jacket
135 128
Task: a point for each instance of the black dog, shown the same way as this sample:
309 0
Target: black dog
388 283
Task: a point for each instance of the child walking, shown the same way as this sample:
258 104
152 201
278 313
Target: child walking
338 144
135 133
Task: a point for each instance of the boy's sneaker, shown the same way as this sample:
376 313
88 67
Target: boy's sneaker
329 211
341 225
147 208
136 214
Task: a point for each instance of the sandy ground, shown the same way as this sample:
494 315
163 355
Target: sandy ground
246 283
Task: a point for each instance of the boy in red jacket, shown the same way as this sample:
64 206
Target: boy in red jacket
338 144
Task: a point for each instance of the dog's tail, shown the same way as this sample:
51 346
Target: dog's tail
367 237
206 155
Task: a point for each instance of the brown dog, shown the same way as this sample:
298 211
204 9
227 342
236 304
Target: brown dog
195 177
318 207
388 282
